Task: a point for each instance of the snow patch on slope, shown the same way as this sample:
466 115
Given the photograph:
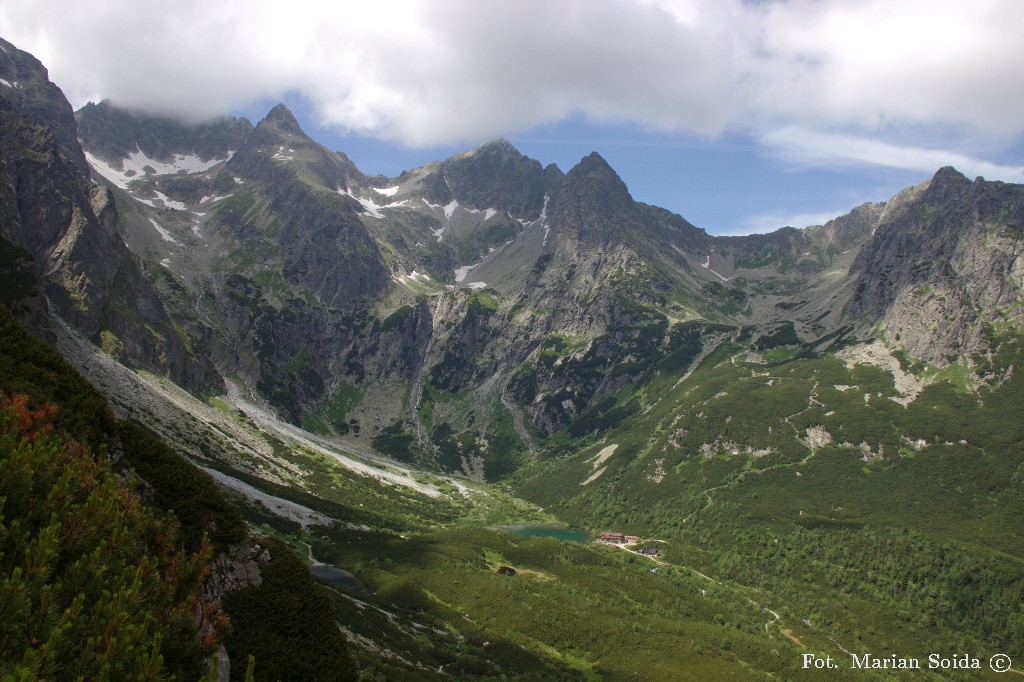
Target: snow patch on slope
280 155
439 232
164 233
370 207
134 167
460 273
544 219
166 201
449 212
414 278
213 199
707 266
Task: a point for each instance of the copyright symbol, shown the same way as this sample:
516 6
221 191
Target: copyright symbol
1000 663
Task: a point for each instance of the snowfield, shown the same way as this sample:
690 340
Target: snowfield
135 166
164 233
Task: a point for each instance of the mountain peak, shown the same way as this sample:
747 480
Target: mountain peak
498 148
946 183
281 117
495 142
594 160
499 144
594 173
949 174
593 202
493 175
114 134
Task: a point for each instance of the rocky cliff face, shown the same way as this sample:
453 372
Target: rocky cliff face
51 209
497 176
320 242
944 265
27 89
114 135
234 568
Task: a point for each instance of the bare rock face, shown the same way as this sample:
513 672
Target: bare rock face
52 209
320 242
19 290
495 175
944 262
113 134
594 207
236 567
27 88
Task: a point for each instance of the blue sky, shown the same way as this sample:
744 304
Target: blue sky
741 116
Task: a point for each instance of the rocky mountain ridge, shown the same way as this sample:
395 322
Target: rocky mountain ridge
68 226
944 266
456 313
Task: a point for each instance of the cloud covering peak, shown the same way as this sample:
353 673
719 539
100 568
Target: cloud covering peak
450 71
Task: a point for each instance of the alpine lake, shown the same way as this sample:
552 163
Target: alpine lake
547 531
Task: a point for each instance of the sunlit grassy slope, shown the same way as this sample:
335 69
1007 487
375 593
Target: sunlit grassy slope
889 526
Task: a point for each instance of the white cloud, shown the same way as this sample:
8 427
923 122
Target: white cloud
803 148
452 71
769 222
878 62
423 73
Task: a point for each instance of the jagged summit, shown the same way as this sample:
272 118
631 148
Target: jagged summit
948 173
595 189
493 175
594 168
592 160
947 181
281 118
498 144
560 252
488 317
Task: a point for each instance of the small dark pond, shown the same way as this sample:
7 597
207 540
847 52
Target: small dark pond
336 576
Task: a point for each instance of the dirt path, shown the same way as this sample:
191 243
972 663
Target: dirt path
788 634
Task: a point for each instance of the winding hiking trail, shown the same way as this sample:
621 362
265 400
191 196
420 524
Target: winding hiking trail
788 634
